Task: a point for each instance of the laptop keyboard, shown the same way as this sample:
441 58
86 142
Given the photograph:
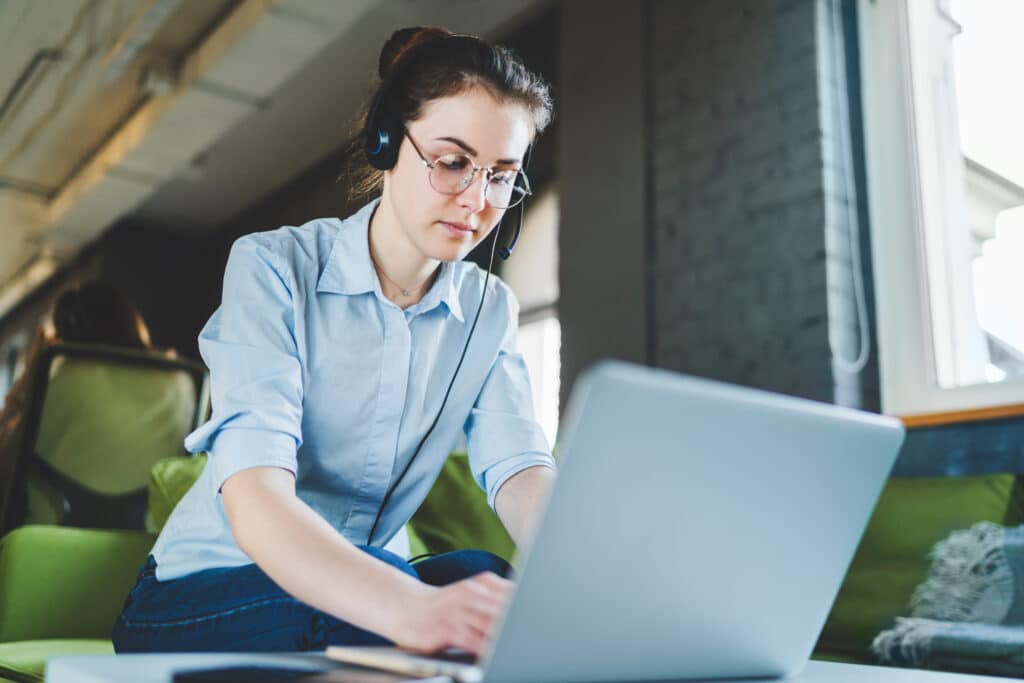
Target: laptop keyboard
455 656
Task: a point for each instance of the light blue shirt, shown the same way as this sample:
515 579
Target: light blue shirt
313 370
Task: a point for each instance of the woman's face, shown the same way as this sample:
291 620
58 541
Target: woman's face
446 227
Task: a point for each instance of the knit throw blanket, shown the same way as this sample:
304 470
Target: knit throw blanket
968 615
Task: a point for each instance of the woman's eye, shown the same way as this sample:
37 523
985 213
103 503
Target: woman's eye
505 178
454 162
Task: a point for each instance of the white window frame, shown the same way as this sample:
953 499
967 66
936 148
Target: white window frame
903 127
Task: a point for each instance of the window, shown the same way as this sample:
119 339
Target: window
990 110
945 164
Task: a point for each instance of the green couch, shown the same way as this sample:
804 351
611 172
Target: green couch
911 516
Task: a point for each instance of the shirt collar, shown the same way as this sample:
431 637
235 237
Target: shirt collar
349 269
443 291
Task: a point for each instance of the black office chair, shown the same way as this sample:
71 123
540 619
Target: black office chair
98 418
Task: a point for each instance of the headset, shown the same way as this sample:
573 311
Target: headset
383 133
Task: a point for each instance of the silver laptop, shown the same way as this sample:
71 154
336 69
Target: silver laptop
696 530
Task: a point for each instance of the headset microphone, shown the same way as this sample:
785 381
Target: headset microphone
506 251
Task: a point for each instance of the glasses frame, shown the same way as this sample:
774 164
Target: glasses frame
490 171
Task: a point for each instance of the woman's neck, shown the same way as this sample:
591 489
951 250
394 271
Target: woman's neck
404 273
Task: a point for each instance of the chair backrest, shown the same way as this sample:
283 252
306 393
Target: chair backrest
98 418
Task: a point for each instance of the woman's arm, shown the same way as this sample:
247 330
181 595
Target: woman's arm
309 559
503 436
520 500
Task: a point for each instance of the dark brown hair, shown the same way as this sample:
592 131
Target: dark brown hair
442 68
96 313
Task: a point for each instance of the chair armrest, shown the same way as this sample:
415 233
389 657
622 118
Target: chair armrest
65 582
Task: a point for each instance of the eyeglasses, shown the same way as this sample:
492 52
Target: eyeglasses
453 173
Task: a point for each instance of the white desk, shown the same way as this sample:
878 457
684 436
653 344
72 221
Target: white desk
158 669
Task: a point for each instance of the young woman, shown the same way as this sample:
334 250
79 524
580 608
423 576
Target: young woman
331 356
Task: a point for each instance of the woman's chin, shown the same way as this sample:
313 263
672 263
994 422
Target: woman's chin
450 250
452 254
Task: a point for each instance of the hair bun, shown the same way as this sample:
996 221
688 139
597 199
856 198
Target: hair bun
401 41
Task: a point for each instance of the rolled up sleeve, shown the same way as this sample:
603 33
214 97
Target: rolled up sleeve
502 433
249 345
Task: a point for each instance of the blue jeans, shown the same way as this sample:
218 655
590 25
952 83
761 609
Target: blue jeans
240 609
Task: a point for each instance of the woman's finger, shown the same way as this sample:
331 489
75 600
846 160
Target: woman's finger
476 619
472 639
493 585
492 579
486 607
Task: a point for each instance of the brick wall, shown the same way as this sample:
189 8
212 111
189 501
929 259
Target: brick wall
745 207
738 206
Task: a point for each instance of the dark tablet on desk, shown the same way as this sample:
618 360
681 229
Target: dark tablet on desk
247 674
280 674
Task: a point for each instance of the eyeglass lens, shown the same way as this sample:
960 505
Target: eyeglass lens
453 173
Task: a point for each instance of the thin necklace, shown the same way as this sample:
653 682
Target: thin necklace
405 292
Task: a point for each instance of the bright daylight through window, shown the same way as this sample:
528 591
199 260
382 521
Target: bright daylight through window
986 334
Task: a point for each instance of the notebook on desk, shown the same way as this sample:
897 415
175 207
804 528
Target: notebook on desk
696 530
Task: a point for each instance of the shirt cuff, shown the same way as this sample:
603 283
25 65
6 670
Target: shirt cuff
234 450
497 476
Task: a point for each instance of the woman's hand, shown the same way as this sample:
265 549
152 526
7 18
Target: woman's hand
460 615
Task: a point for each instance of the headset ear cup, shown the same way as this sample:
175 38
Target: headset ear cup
383 140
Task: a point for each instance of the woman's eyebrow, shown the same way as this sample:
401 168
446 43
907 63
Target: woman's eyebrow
472 152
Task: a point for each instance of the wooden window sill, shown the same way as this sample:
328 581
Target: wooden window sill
962 416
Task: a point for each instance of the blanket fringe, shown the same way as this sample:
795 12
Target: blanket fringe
970 578
908 643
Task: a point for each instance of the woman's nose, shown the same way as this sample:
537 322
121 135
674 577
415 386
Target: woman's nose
474 196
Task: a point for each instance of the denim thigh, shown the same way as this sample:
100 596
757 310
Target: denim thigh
231 609
440 570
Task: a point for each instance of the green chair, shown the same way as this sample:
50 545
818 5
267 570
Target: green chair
98 418
61 588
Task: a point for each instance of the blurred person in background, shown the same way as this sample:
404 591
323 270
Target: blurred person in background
89 313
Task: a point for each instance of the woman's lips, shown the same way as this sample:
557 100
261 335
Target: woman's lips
459 230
